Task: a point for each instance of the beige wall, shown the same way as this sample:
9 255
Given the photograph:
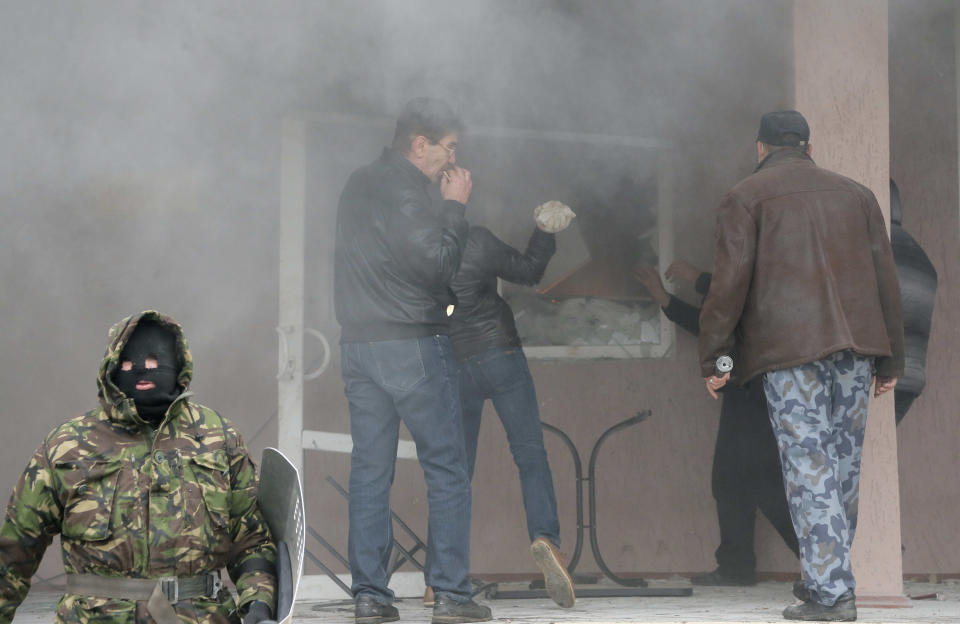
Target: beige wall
923 161
655 510
840 54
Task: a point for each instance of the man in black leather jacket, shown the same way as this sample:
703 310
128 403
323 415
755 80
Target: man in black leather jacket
393 261
492 366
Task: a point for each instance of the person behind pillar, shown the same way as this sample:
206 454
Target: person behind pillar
492 366
918 288
805 292
148 486
746 473
394 257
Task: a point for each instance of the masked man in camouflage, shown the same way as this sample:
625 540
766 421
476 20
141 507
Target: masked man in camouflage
151 494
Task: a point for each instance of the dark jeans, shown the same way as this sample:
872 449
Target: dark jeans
415 381
502 375
747 477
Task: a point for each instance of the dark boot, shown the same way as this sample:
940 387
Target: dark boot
843 610
448 611
555 576
369 611
722 578
800 590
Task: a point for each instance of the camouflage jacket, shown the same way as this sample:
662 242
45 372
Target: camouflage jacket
128 500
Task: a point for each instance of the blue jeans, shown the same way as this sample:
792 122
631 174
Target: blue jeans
412 380
502 375
819 414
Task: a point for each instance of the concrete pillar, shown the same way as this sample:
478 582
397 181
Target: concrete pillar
291 296
841 85
956 46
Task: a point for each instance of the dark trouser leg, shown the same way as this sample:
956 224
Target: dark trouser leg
374 426
419 376
502 374
515 399
732 486
472 398
431 412
767 480
747 476
772 501
819 411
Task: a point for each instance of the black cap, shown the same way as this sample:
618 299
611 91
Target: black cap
784 128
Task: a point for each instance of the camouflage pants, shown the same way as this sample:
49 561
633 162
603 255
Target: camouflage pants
819 414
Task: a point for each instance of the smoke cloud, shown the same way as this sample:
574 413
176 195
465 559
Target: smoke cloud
141 164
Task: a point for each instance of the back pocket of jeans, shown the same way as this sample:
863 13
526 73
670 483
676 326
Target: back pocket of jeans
399 363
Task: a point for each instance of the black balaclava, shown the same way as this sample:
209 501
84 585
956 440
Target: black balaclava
150 340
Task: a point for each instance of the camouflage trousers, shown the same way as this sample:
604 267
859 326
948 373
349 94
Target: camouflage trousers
819 414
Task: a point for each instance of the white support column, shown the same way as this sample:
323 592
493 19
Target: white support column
666 204
290 316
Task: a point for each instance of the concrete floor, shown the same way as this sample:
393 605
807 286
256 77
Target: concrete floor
762 603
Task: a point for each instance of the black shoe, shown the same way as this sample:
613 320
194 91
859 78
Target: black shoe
800 591
724 579
556 579
844 610
369 611
448 611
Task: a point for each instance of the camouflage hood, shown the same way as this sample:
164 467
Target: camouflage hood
114 401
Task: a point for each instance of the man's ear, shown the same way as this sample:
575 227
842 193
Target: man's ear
809 149
761 152
419 145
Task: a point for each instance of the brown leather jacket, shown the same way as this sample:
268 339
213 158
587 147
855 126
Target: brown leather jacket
803 268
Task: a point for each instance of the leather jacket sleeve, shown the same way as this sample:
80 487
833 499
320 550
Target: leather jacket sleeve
732 273
683 314
525 268
889 287
427 249
702 285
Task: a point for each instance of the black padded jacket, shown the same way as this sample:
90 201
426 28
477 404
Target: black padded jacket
482 319
918 290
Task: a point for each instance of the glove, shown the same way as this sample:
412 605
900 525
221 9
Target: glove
553 216
259 613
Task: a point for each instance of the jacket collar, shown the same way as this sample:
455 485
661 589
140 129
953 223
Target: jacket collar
397 160
783 157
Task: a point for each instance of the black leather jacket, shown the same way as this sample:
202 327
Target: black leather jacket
394 254
802 269
482 319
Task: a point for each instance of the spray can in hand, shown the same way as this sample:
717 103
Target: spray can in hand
724 364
